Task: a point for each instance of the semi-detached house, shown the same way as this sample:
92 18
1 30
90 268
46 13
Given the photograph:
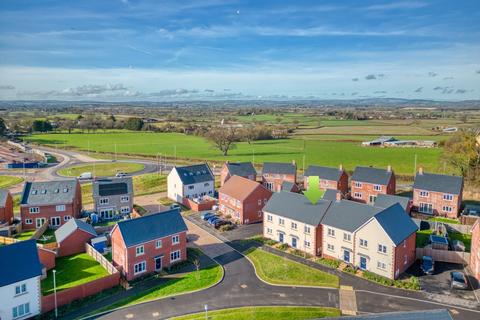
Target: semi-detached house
190 182
329 178
274 174
241 169
367 183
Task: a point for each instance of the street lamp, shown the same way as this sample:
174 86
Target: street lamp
55 291
206 311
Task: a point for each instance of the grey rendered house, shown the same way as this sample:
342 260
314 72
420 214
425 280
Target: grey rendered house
113 197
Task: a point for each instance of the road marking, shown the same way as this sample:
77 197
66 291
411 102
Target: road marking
129 316
155 314
243 286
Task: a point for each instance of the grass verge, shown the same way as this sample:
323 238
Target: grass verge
102 169
8 181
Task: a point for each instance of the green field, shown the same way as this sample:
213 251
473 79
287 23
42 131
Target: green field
265 313
102 169
338 150
8 181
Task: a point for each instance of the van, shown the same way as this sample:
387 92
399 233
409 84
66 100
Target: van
85 176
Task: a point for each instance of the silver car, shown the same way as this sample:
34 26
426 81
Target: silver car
458 280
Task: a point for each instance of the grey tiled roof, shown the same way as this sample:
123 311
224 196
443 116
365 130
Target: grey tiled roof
19 261
112 186
326 173
279 168
3 197
287 186
330 194
387 200
151 227
242 169
396 222
372 175
439 314
349 215
297 207
195 174
71 226
49 192
438 183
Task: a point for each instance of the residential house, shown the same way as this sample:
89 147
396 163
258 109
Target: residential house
275 173
329 178
437 194
113 197
52 201
475 251
6 207
242 169
190 182
379 240
149 244
20 281
333 195
368 182
243 199
72 236
291 218
387 200
290 187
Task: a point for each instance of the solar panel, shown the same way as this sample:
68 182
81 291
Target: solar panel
112 189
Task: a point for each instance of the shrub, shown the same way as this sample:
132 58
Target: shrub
328 262
226 227
283 246
228 216
350 269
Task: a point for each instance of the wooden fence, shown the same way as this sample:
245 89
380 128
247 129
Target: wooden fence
40 231
8 240
100 259
451 227
444 255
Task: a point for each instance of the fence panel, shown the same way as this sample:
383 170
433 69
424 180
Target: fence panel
100 259
444 255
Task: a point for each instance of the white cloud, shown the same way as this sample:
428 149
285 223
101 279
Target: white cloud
397 5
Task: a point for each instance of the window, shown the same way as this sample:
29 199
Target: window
174 256
357 195
60 208
139 250
66 218
104 201
34 210
57 190
381 265
158 244
206 184
176 239
347 237
448 197
140 267
426 208
358 184
44 191
190 187
65 190
20 289
382 248
294 226
331 232
21 310
269 217
125 209
28 221
269 230
377 187
259 202
306 229
363 243
330 247
447 209
423 193
124 198
281 221
34 191
307 244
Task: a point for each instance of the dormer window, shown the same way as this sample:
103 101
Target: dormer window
191 173
44 191
57 190
34 191
65 190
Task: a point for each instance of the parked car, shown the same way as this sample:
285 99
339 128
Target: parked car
458 245
85 176
175 206
121 174
221 222
207 215
428 265
212 220
458 280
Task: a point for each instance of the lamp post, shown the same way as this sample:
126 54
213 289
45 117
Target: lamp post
206 311
55 291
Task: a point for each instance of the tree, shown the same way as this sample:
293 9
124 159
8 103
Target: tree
462 151
134 124
41 126
3 127
223 138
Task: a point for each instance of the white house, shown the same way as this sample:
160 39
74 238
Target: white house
20 295
190 182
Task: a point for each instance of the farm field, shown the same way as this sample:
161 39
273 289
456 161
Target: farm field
330 153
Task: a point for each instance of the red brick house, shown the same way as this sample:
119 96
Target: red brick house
242 169
275 173
243 199
149 244
6 207
52 201
330 178
437 194
72 236
290 187
475 250
368 182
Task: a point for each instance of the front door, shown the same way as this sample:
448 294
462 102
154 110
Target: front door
280 237
39 222
294 242
426 208
55 222
372 199
363 263
106 213
346 255
158 263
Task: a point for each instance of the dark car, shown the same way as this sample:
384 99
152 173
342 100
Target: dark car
458 280
428 265
207 215
212 220
220 222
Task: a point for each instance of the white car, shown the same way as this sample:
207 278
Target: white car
121 174
85 176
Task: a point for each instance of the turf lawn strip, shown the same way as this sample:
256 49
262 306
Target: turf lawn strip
8 181
102 169
265 313
279 270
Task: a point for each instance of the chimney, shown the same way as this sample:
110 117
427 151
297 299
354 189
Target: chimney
420 170
338 196
340 167
389 168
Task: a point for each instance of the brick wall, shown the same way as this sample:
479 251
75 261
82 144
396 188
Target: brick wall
437 201
401 251
47 257
475 251
6 213
207 204
74 243
47 212
277 180
367 190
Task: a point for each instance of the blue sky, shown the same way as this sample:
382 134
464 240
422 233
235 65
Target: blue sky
211 49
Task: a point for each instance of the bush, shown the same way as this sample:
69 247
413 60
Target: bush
350 269
328 262
412 283
226 227
283 246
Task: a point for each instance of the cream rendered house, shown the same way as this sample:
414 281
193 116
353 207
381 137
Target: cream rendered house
190 182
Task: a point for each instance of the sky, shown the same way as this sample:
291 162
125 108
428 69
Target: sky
135 50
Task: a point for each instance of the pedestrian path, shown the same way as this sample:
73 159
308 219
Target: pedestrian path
209 244
348 301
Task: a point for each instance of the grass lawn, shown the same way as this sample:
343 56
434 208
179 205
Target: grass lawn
265 313
317 151
108 256
25 235
47 237
423 236
73 271
8 181
445 220
102 169
279 270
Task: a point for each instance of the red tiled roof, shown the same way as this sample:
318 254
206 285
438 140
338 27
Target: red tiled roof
239 188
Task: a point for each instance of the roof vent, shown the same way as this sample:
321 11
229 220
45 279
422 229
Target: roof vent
44 191
65 190
34 191
57 190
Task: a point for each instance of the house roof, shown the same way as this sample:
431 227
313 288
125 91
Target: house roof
241 168
279 168
330 194
287 186
396 223
439 314
151 227
372 175
3 197
349 215
112 186
19 261
195 174
239 187
438 183
297 207
326 173
49 192
71 226
387 200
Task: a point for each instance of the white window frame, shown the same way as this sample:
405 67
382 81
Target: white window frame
377 187
363 243
104 201
331 232
269 231
347 237
293 225
330 247
60 208
358 195
124 198
25 310
34 210
66 218
381 265
306 244
306 229
281 221
447 209
140 267
448 197
175 239
423 193
139 251
28 221
382 248
158 244
21 288
269 217
174 253
125 210
357 184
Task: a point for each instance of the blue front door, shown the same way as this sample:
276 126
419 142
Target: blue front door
363 263
294 242
346 255
280 237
